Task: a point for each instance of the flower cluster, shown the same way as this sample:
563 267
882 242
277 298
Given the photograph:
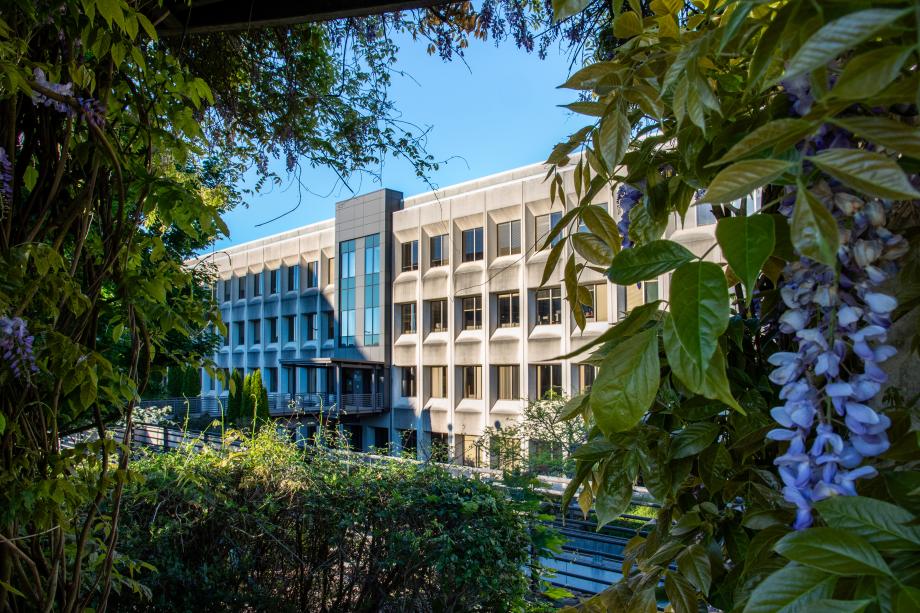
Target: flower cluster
16 346
839 322
627 197
90 109
6 176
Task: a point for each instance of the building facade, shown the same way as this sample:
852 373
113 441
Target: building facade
419 319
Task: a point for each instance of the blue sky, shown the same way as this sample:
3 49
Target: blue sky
497 111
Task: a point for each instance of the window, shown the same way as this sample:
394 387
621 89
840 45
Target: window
372 289
509 237
407 382
241 287
437 377
586 375
438 315
472 245
471 379
271 379
439 448
226 284
549 379
509 382
272 329
274 276
290 379
293 278
509 310
289 327
543 225
597 310
651 291
407 318
256 326
240 332
472 312
227 338
409 256
549 306
330 271
309 326
347 293
466 449
330 325
312 274
439 250
704 215
257 284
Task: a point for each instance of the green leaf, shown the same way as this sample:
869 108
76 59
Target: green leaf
614 138
889 133
693 563
814 230
589 76
886 526
838 36
602 225
746 243
680 593
908 600
829 605
647 261
551 261
706 379
779 133
693 439
627 24
791 589
869 172
699 308
869 73
2 423
563 9
635 320
29 177
592 248
765 54
626 383
834 551
592 108
742 178
612 499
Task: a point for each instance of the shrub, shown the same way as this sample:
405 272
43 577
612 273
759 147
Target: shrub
275 528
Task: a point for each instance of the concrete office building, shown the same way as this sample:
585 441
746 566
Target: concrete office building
420 318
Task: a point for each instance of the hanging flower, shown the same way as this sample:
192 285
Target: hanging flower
627 198
16 346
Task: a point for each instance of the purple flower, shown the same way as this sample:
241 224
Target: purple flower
16 347
6 176
627 198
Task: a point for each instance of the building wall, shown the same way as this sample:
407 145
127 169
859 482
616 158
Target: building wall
516 195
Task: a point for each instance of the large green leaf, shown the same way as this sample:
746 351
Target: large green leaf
838 36
626 383
883 131
830 605
693 563
791 589
699 308
907 600
592 248
563 9
779 133
746 243
742 178
648 261
834 551
602 225
634 321
693 439
869 172
590 75
627 24
680 593
614 137
814 230
612 499
869 73
886 526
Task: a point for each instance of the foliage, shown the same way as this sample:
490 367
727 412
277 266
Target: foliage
809 109
272 527
235 398
255 400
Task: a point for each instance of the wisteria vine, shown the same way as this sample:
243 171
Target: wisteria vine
838 320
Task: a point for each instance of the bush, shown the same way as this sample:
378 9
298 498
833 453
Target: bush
276 528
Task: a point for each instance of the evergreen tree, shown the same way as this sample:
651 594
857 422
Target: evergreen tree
174 381
258 398
191 382
234 400
245 415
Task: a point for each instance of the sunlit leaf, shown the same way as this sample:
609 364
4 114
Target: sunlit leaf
746 244
563 9
699 308
869 172
814 230
779 133
791 588
869 73
834 551
647 261
889 133
742 178
626 383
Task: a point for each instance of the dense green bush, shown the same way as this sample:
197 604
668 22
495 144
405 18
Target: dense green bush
276 528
